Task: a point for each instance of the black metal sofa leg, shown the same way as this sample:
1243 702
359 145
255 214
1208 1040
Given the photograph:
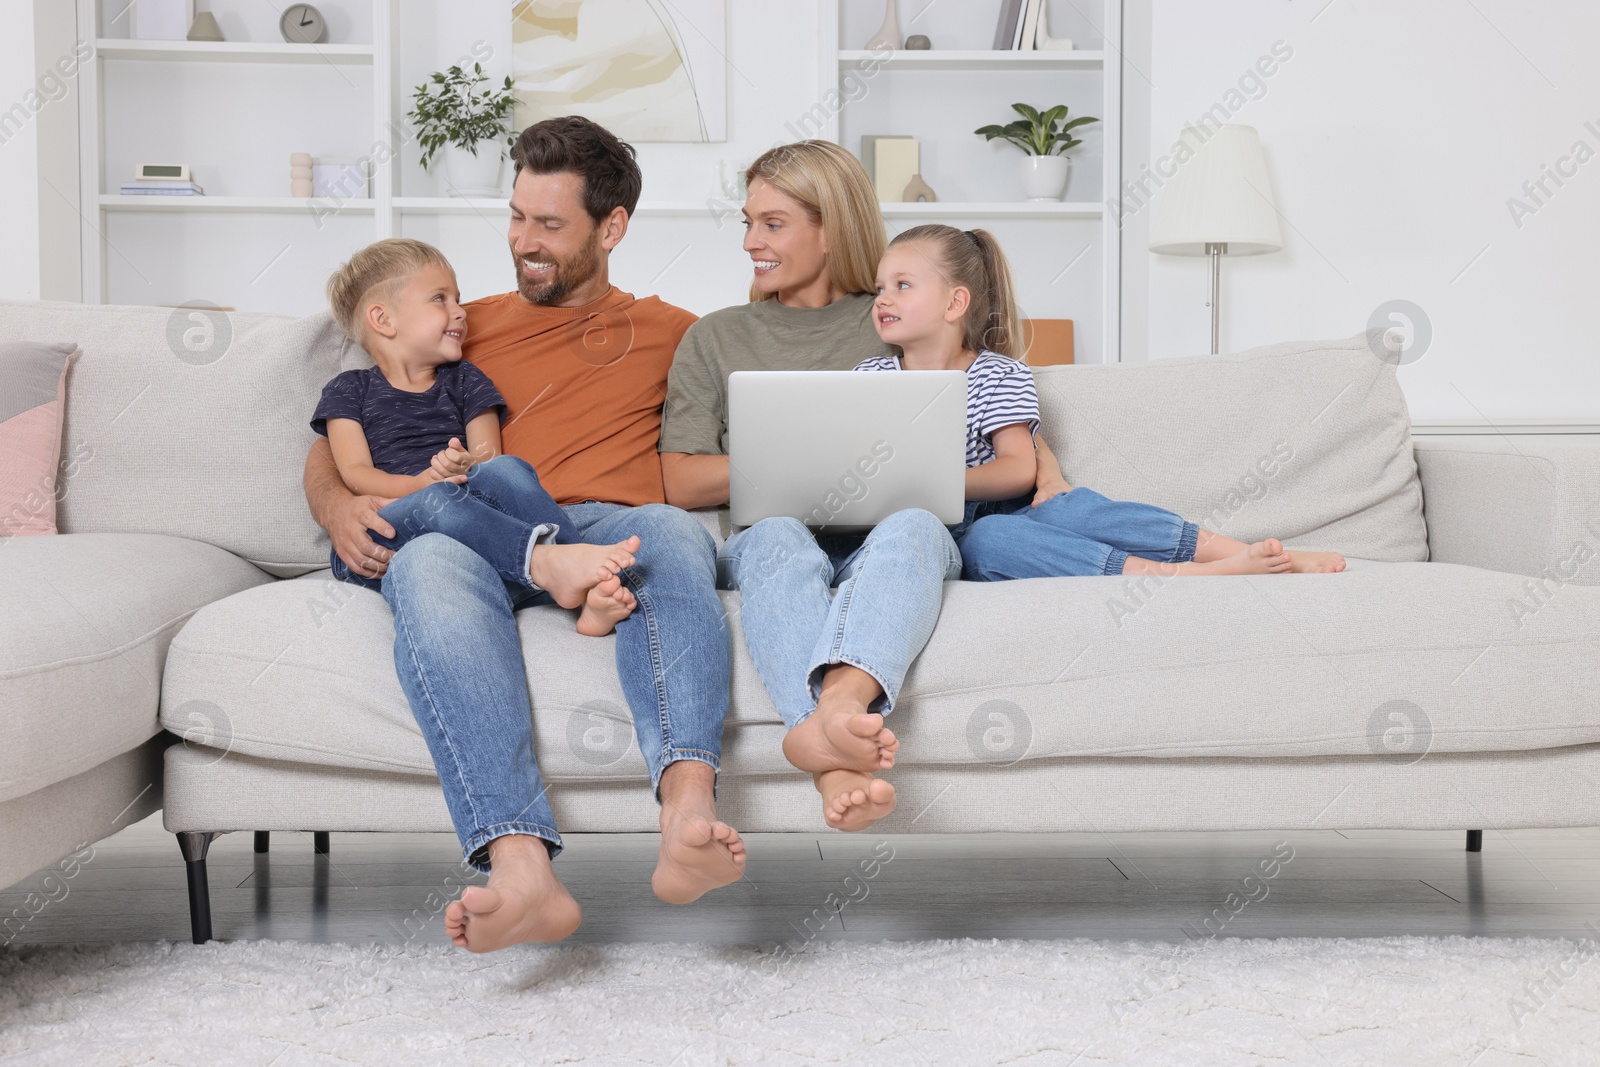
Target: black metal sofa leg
1474 840
194 846
319 842
263 840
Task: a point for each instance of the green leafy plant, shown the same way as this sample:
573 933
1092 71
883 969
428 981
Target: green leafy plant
1037 133
450 108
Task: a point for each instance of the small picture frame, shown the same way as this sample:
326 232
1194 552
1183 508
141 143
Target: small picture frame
340 179
161 20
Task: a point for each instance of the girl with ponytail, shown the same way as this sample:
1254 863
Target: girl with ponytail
945 303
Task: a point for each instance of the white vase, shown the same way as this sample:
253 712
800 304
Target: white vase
888 36
466 174
1045 177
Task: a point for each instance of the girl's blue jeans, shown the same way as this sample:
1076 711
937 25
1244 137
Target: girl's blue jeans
500 513
1072 534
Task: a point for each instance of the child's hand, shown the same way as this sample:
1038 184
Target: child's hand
451 464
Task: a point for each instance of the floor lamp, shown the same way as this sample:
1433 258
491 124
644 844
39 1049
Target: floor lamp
1219 203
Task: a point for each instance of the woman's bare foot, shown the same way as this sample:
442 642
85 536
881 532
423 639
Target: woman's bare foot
568 572
698 854
853 801
841 733
524 901
1316 562
605 605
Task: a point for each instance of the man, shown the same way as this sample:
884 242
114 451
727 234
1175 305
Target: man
583 368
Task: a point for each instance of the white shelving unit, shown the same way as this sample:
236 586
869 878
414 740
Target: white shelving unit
950 59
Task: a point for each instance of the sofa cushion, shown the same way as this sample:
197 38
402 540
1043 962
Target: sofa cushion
1272 667
184 421
85 621
1308 442
32 379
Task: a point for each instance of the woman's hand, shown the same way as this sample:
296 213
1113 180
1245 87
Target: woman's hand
1048 489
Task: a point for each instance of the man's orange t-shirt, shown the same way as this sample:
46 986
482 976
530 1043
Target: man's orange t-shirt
583 389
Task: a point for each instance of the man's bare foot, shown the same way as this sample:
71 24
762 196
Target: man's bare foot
841 733
698 854
568 572
605 605
1316 562
853 801
524 901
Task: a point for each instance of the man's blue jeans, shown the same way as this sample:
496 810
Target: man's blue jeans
500 513
1072 534
890 587
460 663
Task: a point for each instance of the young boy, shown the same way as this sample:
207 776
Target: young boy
396 431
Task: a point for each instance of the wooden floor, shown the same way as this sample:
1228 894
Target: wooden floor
393 887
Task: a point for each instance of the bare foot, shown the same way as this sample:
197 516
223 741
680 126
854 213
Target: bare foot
568 572
853 801
697 855
1316 562
841 733
605 605
524 901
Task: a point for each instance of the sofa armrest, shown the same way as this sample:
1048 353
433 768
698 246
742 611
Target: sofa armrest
1524 506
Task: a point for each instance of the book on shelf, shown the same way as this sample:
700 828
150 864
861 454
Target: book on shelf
161 188
1018 26
1030 25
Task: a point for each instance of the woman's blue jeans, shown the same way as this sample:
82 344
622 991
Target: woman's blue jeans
890 587
500 513
1072 534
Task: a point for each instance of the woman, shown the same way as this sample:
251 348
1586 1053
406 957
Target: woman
833 661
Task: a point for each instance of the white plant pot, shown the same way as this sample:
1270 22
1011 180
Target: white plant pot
472 175
1045 177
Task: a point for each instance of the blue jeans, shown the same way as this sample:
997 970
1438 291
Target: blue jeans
1071 534
500 513
460 663
890 586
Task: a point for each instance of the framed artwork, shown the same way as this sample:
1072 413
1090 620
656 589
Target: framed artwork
647 70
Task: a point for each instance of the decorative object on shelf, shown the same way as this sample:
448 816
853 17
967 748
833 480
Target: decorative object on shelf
731 184
1045 137
918 42
1046 43
1046 342
162 179
1219 203
888 36
160 20
300 174
340 179
205 28
301 24
891 163
919 192
470 125
643 69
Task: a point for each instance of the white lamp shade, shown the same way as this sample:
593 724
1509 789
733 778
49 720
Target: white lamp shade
1220 195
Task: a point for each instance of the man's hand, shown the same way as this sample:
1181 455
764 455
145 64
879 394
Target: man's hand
1049 488
451 464
349 530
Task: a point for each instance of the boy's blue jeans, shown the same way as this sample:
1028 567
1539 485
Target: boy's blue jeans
890 587
1072 534
460 663
500 513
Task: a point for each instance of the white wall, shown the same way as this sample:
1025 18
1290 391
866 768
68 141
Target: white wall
19 156
1395 136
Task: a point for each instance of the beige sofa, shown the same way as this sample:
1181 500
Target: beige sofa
1402 693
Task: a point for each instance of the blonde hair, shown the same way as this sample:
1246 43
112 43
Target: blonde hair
972 259
354 286
833 187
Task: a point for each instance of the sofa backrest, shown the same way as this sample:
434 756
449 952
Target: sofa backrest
1308 442
190 422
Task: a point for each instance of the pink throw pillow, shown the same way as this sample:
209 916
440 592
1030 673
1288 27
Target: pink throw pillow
33 382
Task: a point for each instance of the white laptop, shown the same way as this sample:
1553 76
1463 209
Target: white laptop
843 450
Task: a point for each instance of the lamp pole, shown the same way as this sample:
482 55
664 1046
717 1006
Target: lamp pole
1216 250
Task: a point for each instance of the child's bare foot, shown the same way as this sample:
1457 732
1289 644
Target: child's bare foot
1263 557
605 605
853 801
1316 562
568 572
841 733
698 854
524 901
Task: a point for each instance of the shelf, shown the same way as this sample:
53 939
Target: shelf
709 208
936 59
451 205
234 51
320 207
1019 209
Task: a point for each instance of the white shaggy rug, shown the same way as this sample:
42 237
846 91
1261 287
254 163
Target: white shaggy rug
1455 1001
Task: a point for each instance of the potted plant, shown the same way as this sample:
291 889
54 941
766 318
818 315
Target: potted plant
1046 137
465 123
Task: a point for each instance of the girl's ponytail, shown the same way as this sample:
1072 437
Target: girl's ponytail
1002 329
972 259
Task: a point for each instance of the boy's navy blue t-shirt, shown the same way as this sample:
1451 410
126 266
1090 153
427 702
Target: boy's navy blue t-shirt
405 430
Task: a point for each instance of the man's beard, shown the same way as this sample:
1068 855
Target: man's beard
577 270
